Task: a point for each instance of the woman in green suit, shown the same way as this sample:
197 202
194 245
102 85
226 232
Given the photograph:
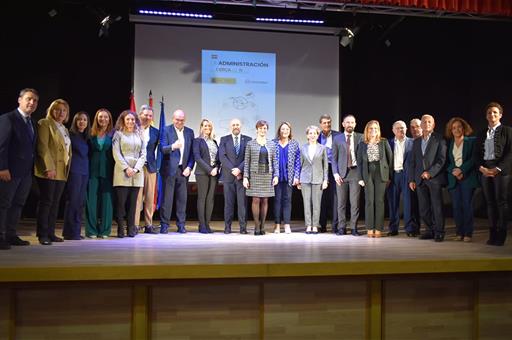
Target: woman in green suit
98 208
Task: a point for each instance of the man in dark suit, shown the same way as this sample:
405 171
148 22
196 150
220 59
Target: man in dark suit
493 158
177 163
146 195
329 198
427 176
17 149
231 156
401 145
415 130
346 175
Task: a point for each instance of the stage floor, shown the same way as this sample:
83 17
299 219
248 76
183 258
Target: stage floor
195 255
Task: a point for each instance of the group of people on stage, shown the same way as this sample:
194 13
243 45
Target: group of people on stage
91 162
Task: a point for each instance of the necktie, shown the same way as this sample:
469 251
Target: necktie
30 127
349 151
237 145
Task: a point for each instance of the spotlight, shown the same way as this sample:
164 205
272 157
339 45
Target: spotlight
105 25
347 36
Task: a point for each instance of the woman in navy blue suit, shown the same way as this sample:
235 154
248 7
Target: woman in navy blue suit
78 176
462 175
288 152
206 154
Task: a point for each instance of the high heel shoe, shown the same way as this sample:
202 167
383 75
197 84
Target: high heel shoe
287 229
277 229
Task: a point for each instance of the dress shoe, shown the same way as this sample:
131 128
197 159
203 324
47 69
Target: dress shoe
182 230
56 239
120 232
243 231
341 232
227 230
355 232
411 234
16 241
208 229
322 229
501 237
164 228
426 236
393 233
262 232
132 231
370 233
377 233
439 238
72 238
202 229
45 241
150 229
4 245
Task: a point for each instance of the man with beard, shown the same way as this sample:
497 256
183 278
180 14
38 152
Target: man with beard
346 175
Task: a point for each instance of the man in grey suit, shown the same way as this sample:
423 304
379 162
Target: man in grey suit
346 175
231 156
427 177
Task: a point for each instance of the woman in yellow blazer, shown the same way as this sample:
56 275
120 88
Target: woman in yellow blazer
52 163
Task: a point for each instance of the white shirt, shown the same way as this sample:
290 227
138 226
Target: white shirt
457 154
312 151
398 155
181 138
352 148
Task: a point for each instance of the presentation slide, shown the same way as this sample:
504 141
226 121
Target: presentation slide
220 74
238 84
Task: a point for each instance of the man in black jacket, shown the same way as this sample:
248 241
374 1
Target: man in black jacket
17 149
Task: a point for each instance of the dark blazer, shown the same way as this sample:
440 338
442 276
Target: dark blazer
433 162
468 163
154 137
228 157
385 163
101 161
340 150
202 157
171 159
407 154
502 148
17 149
80 159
